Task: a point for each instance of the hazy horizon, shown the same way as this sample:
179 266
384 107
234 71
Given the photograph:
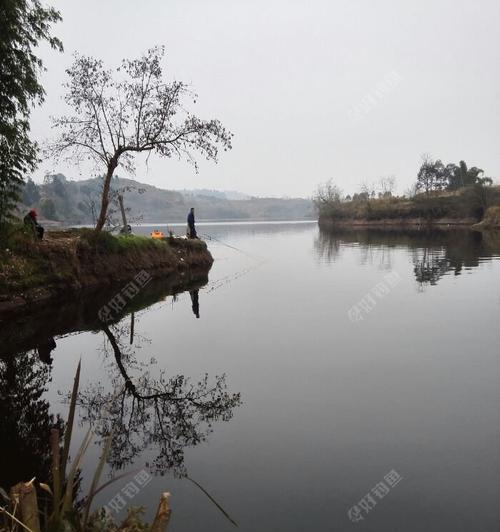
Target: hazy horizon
348 90
162 186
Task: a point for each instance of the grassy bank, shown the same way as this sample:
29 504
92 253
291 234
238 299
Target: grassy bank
491 219
65 263
465 206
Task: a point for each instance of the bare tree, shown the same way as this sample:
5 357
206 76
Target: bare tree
144 411
327 193
411 191
131 110
366 191
387 186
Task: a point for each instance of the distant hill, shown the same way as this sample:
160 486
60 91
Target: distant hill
222 194
77 202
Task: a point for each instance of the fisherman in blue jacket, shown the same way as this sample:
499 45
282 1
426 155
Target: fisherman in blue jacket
191 227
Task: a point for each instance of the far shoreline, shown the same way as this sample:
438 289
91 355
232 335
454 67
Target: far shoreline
399 223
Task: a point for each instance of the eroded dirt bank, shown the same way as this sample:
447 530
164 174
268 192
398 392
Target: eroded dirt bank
398 222
63 267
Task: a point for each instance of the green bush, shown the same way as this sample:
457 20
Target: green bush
17 237
106 242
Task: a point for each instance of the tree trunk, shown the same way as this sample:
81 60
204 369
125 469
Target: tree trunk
105 195
163 514
122 209
24 494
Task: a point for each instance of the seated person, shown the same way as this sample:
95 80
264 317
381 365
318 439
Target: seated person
31 222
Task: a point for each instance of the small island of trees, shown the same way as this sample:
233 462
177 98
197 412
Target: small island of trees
442 193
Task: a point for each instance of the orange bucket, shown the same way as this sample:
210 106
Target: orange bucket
157 235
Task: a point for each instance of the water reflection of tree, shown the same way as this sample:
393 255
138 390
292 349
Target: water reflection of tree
25 420
435 259
381 255
434 252
167 413
328 247
430 265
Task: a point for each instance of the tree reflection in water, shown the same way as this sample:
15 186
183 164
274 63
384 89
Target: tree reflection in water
165 413
26 421
434 252
464 249
430 265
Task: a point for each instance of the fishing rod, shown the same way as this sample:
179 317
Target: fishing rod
210 237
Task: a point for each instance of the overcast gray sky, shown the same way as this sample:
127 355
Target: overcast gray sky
351 90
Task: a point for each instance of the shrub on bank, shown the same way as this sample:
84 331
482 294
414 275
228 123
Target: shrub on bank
17 237
106 242
70 260
469 202
491 218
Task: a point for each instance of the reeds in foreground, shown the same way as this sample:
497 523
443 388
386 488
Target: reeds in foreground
59 512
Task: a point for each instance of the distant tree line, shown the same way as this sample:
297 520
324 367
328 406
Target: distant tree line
436 176
433 176
78 202
329 192
454 191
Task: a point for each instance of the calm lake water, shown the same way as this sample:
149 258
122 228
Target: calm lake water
367 364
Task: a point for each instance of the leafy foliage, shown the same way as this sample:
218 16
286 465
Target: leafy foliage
23 25
431 176
26 421
31 194
435 176
48 208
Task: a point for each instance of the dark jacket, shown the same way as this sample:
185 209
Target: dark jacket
31 222
191 219
33 225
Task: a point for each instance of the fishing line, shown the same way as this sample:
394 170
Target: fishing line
211 286
210 237
228 279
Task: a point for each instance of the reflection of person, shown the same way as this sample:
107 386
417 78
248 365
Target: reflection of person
191 222
45 348
31 222
196 302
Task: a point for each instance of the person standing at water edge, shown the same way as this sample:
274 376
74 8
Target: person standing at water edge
191 222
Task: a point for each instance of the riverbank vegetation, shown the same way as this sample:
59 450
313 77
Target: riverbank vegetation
441 194
25 24
114 115
68 262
